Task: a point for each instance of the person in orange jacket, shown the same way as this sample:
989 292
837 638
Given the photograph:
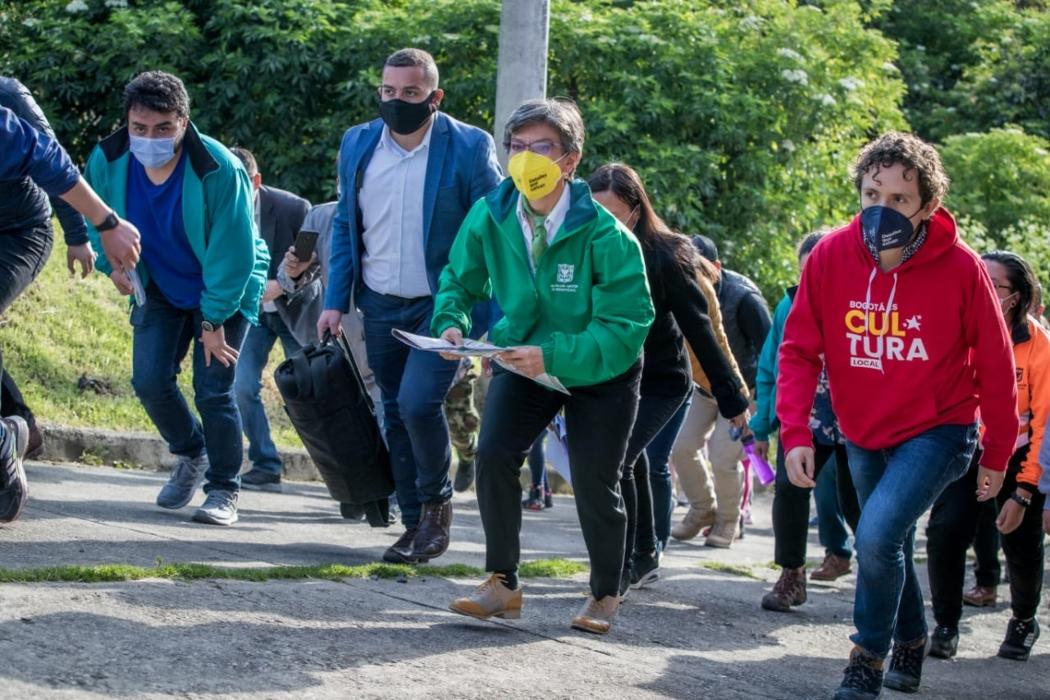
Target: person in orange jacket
953 520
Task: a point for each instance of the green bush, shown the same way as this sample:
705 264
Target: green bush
1028 238
971 66
742 117
999 178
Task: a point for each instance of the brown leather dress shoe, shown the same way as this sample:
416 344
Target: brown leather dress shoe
981 596
432 536
596 616
401 551
490 599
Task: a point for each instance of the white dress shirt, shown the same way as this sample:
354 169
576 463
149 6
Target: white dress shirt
391 201
553 221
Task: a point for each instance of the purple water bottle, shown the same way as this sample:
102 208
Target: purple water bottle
765 473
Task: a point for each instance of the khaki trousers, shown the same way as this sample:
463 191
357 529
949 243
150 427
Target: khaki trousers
709 485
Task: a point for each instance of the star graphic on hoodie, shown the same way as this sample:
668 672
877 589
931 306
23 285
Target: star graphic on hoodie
913 324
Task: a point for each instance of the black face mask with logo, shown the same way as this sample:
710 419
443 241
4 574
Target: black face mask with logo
406 117
886 228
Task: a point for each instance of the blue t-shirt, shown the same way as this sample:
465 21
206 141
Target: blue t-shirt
157 212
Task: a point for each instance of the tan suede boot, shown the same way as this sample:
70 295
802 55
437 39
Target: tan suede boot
694 521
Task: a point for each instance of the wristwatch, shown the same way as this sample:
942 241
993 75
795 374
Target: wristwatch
207 325
111 221
1025 502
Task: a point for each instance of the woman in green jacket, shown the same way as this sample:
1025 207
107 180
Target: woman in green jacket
571 283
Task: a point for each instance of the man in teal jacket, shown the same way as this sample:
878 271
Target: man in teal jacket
571 283
202 271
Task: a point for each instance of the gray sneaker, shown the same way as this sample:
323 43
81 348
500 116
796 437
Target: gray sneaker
220 508
14 488
187 475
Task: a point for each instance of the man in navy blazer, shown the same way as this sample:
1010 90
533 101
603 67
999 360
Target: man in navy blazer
408 180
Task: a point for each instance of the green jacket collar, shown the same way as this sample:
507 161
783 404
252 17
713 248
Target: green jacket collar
503 200
117 145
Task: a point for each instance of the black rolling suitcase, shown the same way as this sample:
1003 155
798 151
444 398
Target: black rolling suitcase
325 398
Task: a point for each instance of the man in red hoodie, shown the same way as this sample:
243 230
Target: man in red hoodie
899 310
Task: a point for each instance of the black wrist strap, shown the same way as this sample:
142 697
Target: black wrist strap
1020 499
110 222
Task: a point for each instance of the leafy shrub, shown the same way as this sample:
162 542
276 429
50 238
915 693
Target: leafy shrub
742 117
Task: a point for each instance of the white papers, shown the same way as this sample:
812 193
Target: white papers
136 286
547 380
558 448
469 348
472 348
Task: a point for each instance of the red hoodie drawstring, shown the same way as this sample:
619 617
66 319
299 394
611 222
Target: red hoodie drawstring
889 306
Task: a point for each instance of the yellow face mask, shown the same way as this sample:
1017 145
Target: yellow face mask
534 175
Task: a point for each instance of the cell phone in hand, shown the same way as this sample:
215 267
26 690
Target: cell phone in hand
305 243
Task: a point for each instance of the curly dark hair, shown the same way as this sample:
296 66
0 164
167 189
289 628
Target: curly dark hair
911 152
157 91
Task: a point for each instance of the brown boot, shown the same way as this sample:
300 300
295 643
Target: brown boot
981 596
434 525
490 599
722 534
401 551
788 591
596 616
832 568
694 521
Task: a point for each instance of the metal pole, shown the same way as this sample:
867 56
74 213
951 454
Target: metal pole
524 28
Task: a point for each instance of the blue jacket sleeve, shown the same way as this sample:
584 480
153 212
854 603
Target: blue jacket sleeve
341 257
16 97
26 152
487 173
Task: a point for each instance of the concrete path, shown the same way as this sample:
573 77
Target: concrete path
698 633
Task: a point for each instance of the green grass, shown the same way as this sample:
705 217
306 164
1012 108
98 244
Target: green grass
731 569
62 327
109 573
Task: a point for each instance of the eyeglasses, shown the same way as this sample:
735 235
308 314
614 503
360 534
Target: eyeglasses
1007 287
543 147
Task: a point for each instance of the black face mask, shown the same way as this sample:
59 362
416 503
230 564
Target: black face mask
406 117
886 228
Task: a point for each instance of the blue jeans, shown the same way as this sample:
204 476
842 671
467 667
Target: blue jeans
831 525
161 338
248 381
538 463
413 385
896 486
659 452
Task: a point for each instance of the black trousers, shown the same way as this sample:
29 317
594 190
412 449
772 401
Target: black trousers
653 414
791 505
23 254
986 567
598 420
953 521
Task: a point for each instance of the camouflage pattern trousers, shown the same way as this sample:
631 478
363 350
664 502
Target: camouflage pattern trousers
461 412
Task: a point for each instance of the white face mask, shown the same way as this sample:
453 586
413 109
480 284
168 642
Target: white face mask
153 153
1003 303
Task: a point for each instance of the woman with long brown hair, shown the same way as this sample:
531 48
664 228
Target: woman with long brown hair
681 314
